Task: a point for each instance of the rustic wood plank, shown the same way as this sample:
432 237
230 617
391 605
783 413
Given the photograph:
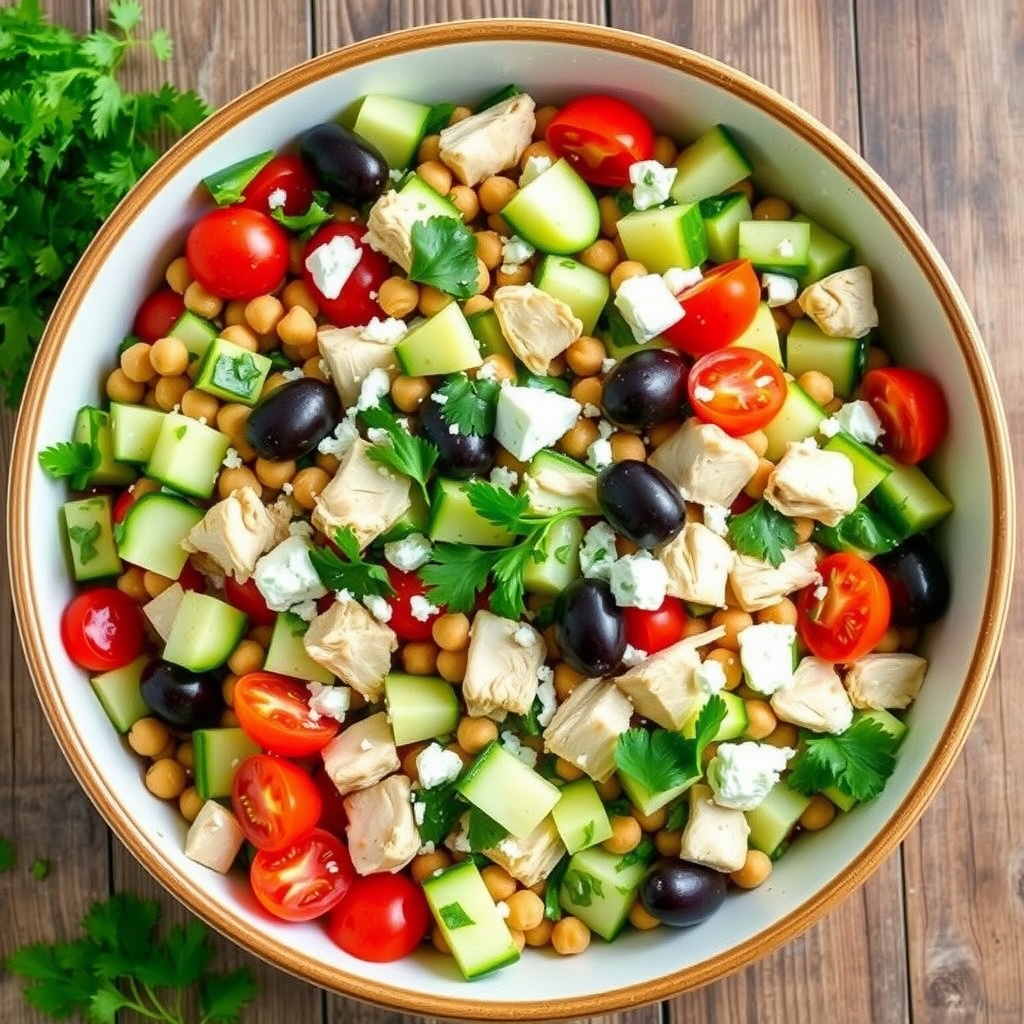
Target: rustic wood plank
940 76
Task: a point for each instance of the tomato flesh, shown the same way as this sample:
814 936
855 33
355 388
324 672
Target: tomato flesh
407 626
717 309
738 389
289 178
652 631
912 408
274 800
382 918
274 712
102 629
353 305
158 314
247 598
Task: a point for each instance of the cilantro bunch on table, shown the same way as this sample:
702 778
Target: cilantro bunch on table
72 143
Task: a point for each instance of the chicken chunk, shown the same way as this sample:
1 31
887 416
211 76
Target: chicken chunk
501 666
842 304
885 680
551 489
161 609
756 584
357 648
488 142
663 687
698 563
389 225
234 533
815 699
714 836
361 755
537 326
705 463
532 858
350 357
586 727
809 481
214 837
363 495
382 834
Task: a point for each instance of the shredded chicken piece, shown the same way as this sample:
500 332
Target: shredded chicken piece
842 304
489 141
537 326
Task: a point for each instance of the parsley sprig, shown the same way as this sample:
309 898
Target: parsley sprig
349 571
763 532
73 461
444 255
403 452
306 223
469 404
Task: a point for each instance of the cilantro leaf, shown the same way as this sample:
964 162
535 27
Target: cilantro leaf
71 460
552 903
444 255
484 833
763 532
441 810
453 915
582 887
7 857
406 453
456 573
640 854
438 118
677 815
349 571
85 537
39 869
469 404
222 996
306 223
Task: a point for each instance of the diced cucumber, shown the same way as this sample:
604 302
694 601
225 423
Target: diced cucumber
826 253
599 888
88 530
204 632
152 531
485 328
863 531
120 694
286 653
441 344
775 246
892 725
842 360
668 236
187 455
508 791
232 373
559 563
556 212
194 331
647 800
395 126
869 468
775 817
427 199
798 418
618 338
453 518
555 482
733 725
420 707
842 800
216 755
469 920
92 427
227 185
909 500
762 335
722 216
580 817
711 164
583 289
134 429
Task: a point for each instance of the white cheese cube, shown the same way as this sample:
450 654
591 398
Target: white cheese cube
435 766
648 306
528 419
779 289
742 774
285 575
860 421
332 263
651 183
766 654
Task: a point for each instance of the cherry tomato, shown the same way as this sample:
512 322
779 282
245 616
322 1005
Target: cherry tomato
849 618
190 578
273 710
246 597
333 815
717 309
285 174
237 253
912 409
102 629
382 917
406 586
274 800
158 314
655 630
122 503
737 388
305 879
353 305
601 136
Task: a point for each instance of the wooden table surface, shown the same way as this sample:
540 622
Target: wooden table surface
930 93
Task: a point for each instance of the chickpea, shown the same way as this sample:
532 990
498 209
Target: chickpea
439 942
625 270
730 662
248 656
432 300
190 803
640 919
587 391
234 313
408 393
169 750
578 438
783 321
297 327
818 813
761 720
610 216
185 755
476 304
746 186
759 481
734 621
890 642
495 192
419 658
877 358
178 275
166 779
503 368
483 276
474 734
198 405
585 356
155 584
525 910
148 736
500 884
626 834
130 582
567 771
804 527
772 208
169 390
601 256
784 735
610 789
488 248
231 480
168 357
136 363
668 842
665 150
566 679
756 869
436 175
201 302
465 201
451 631
540 148
520 273
307 484
818 386
424 865
541 935
430 148
121 388
297 293
627 446
782 612
570 936
496 222
274 474
650 822
451 665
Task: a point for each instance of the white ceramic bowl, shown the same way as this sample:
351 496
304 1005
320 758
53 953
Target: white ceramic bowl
925 320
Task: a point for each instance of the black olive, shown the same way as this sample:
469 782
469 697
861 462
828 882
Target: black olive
682 894
917 580
351 168
460 455
589 627
180 696
640 502
645 388
293 419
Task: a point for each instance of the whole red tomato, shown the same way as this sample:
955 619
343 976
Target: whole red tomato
102 629
356 303
382 918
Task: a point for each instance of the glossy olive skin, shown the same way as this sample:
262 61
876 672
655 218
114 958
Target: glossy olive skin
917 580
460 455
645 388
640 502
180 696
590 629
293 419
682 894
350 167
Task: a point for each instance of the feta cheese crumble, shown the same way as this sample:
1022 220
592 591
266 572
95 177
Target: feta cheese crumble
378 607
409 553
421 609
328 701
435 766
860 421
678 279
515 251
599 453
742 774
766 654
295 373
332 263
633 656
597 552
285 575
387 332
515 746
638 581
716 519
503 477
647 306
277 199
231 460
779 289
546 695
710 676
345 435
524 636
829 427
534 167
651 183
375 386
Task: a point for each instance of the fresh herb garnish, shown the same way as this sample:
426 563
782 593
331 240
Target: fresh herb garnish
39 869
552 902
349 571
640 854
406 453
678 814
453 916
236 373
7 857
763 532
469 404
442 808
483 832
861 531
85 537
71 460
444 255
582 887
306 223
438 118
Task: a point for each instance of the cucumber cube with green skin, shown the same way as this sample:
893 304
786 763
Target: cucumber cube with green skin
120 693
775 246
88 527
286 653
799 418
909 501
394 125
487 331
775 817
734 724
195 332
453 518
646 800
217 753
420 707
842 360
826 255
665 237
555 482
441 344
869 468
580 816
134 429
92 427
204 632
599 888
722 216
152 530
710 165
559 563
232 373
187 455
584 290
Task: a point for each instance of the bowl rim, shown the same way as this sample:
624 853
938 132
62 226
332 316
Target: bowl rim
23 463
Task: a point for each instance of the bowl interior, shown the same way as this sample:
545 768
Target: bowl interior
924 321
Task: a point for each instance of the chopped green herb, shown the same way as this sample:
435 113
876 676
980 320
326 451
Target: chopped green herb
306 223
552 902
39 869
469 404
444 255
7 857
71 460
438 118
403 452
640 854
349 571
181 431
85 537
588 833
582 887
861 531
228 185
677 815
484 832
453 916
442 808
236 373
763 532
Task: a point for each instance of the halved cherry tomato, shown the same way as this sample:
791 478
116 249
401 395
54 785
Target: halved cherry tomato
717 309
274 800
190 578
655 630
305 879
382 917
333 815
406 586
157 314
102 629
247 598
601 136
353 305
912 409
845 615
237 253
286 174
122 503
273 710
738 389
